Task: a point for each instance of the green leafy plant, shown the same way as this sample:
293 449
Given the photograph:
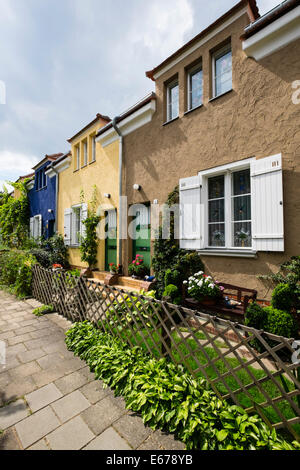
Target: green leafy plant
89 243
172 294
43 310
51 251
255 316
16 271
279 322
167 397
168 257
283 297
14 216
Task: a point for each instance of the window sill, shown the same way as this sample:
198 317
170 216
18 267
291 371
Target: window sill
228 252
219 96
194 109
171 120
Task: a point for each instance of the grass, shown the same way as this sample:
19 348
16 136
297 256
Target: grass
246 400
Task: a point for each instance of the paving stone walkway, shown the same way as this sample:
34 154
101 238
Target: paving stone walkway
49 398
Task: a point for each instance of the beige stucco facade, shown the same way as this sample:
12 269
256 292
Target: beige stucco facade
101 174
256 119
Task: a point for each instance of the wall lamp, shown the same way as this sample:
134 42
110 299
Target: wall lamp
136 187
107 195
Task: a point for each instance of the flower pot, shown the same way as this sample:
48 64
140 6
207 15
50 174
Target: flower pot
209 301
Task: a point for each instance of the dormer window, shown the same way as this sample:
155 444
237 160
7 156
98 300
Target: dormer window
172 100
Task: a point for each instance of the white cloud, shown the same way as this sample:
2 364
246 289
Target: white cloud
11 162
3 184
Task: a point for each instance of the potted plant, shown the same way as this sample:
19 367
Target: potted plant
137 268
114 268
243 237
203 288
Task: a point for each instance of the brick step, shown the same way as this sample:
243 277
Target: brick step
129 282
100 275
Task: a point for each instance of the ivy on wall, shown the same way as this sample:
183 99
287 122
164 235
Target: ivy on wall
89 243
14 216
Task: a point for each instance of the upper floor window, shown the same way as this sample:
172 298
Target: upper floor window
222 71
195 87
41 180
172 100
77 157
85 153
93 148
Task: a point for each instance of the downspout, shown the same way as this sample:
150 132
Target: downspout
118 131
56 199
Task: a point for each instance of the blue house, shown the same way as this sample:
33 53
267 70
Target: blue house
42 199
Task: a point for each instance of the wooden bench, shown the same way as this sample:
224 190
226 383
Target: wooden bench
241 294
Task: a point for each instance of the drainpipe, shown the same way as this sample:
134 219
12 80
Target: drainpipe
56 198
118 131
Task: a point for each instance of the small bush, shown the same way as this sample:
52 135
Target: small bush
279 322
283 297
44 258
16 271
171 294
255 316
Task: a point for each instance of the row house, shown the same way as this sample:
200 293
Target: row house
226 130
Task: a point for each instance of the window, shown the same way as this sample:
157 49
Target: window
76 220
93 148
77 157
195 87
229 210
172 101
41 180
234 209
85 153
222 71
74 227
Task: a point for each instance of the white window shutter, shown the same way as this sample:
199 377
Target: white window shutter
39 225
267 204
31 227
191 236
67 226
83 216
112 219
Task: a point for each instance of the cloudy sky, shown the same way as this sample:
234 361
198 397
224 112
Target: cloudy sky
62 61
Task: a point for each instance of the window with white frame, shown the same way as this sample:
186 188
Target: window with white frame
74 228
195 87
222 70
172 100
234 208
229 194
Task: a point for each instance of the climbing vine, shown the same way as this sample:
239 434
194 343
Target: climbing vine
89 243
14 216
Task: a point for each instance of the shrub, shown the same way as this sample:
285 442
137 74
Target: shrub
171 294
255 316
16 271
283 297
167 397
44 258
51 251
279 322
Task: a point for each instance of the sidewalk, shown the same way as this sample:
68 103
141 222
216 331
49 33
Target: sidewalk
49 398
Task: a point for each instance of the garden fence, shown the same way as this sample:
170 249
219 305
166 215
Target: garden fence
250 368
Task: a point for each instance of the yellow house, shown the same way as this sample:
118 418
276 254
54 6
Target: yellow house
88 171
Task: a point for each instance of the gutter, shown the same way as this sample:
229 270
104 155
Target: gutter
56 196
121 139
269 17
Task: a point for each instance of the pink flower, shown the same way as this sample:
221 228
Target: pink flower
222 288
133 262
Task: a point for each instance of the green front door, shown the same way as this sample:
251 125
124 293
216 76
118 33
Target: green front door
142 235
111 239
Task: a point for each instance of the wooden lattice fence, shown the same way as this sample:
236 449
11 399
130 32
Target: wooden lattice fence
250 368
